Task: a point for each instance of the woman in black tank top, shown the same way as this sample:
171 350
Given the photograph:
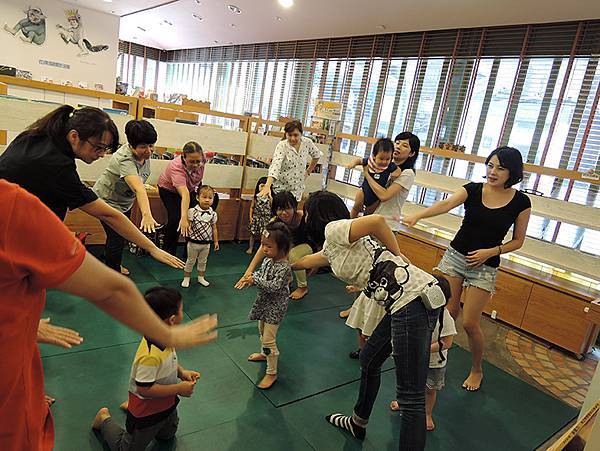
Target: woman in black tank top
473 257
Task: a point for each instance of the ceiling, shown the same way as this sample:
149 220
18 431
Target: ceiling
171 24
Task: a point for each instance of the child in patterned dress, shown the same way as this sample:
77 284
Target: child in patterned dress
260 214
272 280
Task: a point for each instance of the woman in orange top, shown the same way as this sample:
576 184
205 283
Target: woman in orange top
29 264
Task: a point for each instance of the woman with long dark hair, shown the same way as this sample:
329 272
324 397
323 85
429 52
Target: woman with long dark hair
364 253
471 262
42 161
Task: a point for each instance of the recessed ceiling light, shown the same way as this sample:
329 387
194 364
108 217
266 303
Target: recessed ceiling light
135 37
380 27
232 25
230 43
142 29
196 16
279 18
198 2
215 42
234 9
286 3
166 22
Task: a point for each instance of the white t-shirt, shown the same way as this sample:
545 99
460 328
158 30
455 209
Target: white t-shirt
384 277
391 208
449 328
288 166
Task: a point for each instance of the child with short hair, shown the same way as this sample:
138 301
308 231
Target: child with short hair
203 230
260 214
441 340
272 280
153 385
382 169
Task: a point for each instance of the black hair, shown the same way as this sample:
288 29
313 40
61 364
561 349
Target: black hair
445 287
140 132
283 201
261 181
415 144
202 188
320 209
192 147
511 159
279 232
383 145
164 301
88 122
293 125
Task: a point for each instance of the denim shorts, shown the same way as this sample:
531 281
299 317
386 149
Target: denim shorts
436 378
454 264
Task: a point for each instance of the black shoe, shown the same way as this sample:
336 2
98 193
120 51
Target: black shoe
354 354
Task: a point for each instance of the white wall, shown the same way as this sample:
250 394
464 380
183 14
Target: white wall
98 28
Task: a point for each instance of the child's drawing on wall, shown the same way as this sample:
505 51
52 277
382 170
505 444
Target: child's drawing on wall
73 33
32 28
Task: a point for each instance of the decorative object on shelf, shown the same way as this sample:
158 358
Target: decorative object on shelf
533 192
31 29
590 175
452 147
25 74
8 71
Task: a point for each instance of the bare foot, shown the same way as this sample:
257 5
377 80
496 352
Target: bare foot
100 417
49 400
267 381
394 406
249 251
430 425
124 271
124 406
473 382
257 357
345 313
299 293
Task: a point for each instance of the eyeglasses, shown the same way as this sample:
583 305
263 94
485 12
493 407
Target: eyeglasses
99 148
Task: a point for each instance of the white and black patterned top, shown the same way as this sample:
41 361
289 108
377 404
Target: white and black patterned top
201 222
383 277
272 280
288 167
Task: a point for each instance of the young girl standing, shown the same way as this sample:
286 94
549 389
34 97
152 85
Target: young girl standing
203 230
260 214
272 281
472 260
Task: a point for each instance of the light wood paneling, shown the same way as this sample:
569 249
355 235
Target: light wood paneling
558 318
261 147
244 219
79 221
421 255
223 176
510 299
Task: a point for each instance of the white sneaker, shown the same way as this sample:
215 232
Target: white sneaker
185 282
202 281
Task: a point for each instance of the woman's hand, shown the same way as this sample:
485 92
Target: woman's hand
58 336
197 332
410 220
184 226
245 281
148 224
166 258
266 191
477 258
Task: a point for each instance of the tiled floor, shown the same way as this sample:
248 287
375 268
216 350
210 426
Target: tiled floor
552 370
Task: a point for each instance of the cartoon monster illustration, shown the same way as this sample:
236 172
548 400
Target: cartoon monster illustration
73 33
32 29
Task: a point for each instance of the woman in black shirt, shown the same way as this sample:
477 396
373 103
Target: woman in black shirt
473 257
42 161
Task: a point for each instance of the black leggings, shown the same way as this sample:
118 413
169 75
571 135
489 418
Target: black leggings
113 254
172 202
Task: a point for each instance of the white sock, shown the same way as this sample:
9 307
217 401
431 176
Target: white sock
202 281
185 282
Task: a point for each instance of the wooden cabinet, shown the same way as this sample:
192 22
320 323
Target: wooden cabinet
421 254
510 299
559 318
78 221
242 233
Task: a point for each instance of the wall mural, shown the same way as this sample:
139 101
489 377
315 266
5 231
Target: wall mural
73 33
32 28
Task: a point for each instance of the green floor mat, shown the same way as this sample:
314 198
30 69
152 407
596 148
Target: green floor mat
314 350
84 382
507 414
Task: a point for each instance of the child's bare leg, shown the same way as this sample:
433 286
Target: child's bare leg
124 405
100 417
359 200
250 245
430 397
362 339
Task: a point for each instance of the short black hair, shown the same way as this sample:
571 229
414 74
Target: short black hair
293 125
164 301
202 188
140 132
415 145
283 201
320 209
383 145
511 159
279 232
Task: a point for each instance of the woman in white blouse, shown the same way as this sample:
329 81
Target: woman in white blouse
352 248
293 160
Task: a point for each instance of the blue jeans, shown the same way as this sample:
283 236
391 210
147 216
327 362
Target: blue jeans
407 336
